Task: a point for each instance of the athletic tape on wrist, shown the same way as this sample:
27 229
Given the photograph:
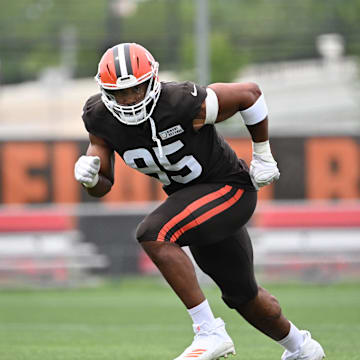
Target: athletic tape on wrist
262 148
212 106
256 112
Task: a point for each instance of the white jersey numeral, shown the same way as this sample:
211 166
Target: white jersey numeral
151 168
187 161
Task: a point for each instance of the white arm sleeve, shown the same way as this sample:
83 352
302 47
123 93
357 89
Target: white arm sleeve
255 113
212 106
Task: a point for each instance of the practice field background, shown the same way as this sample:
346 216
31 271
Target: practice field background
138 319
54 237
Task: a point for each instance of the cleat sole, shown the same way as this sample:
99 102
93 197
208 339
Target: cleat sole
226 354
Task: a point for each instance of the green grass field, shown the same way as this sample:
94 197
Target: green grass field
141 319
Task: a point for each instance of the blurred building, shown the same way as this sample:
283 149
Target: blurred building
308 97
312 97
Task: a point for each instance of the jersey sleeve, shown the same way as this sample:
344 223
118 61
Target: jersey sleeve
193 96
90 113
180 101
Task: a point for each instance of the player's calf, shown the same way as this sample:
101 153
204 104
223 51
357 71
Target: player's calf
264 313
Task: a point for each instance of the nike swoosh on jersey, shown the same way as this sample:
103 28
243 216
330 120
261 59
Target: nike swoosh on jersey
194 93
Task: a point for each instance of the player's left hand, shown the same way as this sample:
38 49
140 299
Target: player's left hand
263 169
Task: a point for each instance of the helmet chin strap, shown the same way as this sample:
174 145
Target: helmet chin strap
154 137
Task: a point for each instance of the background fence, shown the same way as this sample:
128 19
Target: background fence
52 232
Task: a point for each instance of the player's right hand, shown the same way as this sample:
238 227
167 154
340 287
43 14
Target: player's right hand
86 170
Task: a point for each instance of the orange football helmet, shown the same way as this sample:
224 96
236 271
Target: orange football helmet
123 66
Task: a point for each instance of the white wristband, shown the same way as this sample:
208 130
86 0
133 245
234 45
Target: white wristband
256 112
262 148
212 106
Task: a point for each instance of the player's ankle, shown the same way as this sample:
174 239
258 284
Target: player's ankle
201 313
293 341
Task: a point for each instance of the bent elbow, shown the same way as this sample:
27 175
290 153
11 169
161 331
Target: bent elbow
254 89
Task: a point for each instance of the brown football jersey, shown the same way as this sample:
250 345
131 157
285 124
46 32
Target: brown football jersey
189 156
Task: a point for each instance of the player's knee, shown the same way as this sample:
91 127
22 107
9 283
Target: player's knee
147 230
144 232
242 296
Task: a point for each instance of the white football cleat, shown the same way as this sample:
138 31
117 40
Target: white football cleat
309 350
211 342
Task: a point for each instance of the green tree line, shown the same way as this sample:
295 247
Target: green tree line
32 32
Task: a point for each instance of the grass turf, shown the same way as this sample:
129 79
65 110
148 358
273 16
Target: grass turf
141 319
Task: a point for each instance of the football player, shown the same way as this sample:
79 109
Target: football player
166 130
